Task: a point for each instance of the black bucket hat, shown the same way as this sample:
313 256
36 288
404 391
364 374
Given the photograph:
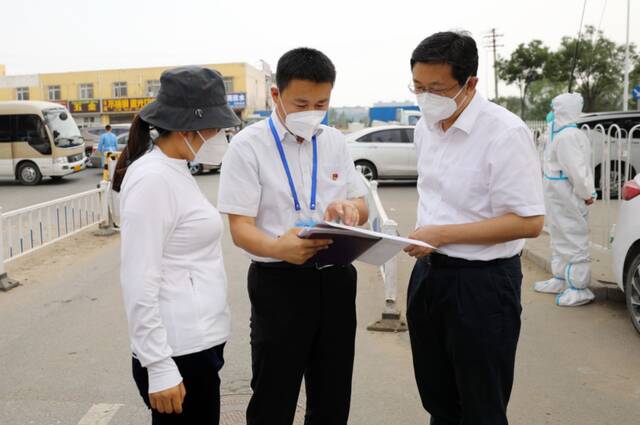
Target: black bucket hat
190 98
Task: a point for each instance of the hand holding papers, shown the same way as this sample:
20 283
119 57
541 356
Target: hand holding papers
353 243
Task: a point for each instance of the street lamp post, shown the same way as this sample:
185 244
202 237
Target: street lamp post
625 88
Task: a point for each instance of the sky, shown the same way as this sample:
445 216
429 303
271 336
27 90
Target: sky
370 41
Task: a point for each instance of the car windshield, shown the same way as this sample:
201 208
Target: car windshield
63 127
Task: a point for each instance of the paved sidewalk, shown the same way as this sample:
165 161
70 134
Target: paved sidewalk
64 356
538 251
602 217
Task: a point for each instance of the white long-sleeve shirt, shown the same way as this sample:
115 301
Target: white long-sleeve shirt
172 271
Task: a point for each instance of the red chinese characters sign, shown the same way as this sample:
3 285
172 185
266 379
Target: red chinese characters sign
125 105
84 106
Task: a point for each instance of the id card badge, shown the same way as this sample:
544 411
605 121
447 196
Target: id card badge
310 219
304 221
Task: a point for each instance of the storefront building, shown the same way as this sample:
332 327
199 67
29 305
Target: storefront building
115 96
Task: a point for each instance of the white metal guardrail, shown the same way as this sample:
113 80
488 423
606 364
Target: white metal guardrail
28 229
613 160
379 221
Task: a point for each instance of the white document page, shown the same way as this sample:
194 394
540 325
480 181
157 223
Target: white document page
378 254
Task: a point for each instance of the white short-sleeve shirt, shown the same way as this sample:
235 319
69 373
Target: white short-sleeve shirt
253 181
483 167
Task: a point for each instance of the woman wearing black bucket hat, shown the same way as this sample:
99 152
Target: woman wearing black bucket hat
172 273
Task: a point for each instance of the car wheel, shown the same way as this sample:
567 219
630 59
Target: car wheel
368 170
195 168
632 291
29 174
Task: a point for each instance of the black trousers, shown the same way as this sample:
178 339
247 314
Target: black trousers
464 325
200 377
303 322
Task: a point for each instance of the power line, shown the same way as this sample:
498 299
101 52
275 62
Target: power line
575 55
597 37
493 37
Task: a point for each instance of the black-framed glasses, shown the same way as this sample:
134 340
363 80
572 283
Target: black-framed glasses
419 90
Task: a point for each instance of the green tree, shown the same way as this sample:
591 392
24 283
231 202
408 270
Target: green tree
512 103
598 69
541 94
524 67
634 80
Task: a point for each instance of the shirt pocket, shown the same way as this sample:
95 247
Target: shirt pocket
332 183
466 189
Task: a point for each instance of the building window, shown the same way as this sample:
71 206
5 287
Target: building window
228 84
22 93
54 92
85 122
120 89
86 91
153 86
6 128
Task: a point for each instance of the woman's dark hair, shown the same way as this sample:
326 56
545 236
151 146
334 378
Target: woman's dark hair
457 49
138 144
304 63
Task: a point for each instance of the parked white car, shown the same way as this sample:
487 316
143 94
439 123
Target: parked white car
384 152
626 248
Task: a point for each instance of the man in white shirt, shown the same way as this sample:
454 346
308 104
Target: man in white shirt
281 174
480 194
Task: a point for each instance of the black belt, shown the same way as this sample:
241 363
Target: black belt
283 265
440 260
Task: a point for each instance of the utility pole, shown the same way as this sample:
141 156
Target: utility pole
492 39
625 94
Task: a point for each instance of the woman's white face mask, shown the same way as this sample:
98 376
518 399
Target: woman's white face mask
212 149
303 124
437 108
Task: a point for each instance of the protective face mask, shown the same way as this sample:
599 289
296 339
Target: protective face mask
437 108
212 149
550 117
303 124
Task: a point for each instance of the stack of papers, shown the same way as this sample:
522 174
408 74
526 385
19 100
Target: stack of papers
353 243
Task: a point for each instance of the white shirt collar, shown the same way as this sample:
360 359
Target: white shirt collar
467 118
180 165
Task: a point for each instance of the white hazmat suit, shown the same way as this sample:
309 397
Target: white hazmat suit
568 183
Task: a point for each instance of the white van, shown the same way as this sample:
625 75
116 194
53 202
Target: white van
38 139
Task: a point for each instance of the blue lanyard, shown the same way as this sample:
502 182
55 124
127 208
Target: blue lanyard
285 165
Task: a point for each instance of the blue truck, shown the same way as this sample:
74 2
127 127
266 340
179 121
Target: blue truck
406 114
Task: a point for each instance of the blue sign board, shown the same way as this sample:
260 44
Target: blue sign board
636 93
237 100
263 113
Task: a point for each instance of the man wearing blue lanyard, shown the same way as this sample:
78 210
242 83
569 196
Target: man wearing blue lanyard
281 174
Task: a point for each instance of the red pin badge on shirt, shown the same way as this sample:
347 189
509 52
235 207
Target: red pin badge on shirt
334 176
